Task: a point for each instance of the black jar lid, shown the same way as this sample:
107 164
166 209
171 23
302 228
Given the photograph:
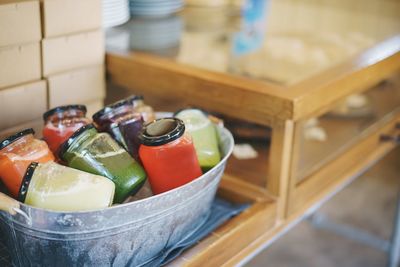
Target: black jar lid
11 139
23 190
133 98
162 131
115 105
62 109
64 146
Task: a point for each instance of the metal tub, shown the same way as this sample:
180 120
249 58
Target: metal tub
124 235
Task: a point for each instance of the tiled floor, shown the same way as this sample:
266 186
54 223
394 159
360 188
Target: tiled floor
368 203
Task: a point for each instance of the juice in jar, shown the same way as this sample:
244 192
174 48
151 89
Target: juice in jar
204 135
61 122
16 153
123 123
59 188
168 155
98 153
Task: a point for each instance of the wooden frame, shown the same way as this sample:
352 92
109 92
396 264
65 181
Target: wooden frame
355 160
284 109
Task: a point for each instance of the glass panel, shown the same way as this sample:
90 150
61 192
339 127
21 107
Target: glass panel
323 138
281 41
250 159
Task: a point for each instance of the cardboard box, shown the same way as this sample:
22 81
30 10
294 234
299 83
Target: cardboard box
20 22
93 107
73 51
77 87
36 125
19 64
63 17
22 103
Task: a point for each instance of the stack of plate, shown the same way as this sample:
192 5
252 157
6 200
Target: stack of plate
155 8
115 12
151 34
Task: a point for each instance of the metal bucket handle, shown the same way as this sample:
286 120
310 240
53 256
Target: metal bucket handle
11 206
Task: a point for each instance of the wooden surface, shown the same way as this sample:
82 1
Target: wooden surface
153 76
281 156
258 101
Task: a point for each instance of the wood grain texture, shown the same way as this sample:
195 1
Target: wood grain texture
280 163
235 96
258 101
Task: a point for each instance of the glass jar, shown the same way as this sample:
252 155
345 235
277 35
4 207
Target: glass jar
16 153
98 153
59 188
123 123
168 155
204 136
61 122
147 112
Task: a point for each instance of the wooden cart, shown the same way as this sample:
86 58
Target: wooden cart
326 82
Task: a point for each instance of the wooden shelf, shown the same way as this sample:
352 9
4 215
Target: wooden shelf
237 233
279 93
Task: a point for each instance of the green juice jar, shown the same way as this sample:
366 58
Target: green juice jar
204 136
98 153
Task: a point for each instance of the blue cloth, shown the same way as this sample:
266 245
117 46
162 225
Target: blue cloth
221 211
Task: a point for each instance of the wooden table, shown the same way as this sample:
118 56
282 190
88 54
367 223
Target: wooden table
324 77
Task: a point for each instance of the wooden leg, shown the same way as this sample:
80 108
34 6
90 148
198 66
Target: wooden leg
280 162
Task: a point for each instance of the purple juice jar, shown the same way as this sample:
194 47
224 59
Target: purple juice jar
123 123
130 129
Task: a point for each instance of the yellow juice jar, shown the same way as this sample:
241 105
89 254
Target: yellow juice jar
59 188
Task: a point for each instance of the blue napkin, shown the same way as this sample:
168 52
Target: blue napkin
221 211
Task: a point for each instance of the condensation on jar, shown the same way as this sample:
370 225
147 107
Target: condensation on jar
16 153
59 188
61 122
168 155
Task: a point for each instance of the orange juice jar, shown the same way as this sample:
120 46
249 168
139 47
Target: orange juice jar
16 153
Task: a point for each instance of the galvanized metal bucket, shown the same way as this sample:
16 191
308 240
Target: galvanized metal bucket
125 235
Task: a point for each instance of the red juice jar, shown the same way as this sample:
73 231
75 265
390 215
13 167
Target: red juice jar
168 155
61 122
17 152
123 123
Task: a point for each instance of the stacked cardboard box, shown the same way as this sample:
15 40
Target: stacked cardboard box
73 52
51 54
23 95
